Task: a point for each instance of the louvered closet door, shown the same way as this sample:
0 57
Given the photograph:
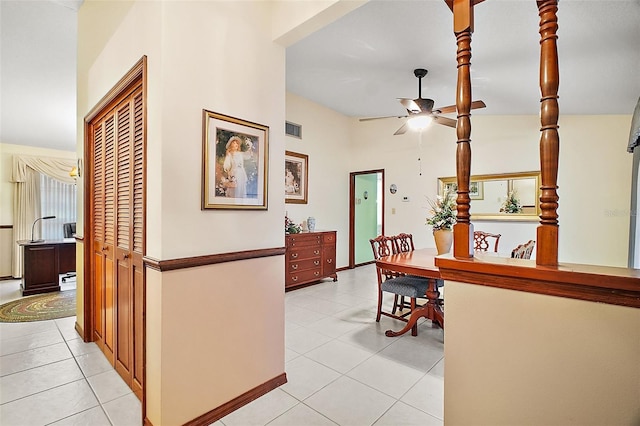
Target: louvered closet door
137 241
118 228
103 233
124 308
97 264
129 238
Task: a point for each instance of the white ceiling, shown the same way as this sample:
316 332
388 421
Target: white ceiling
38 73
361 63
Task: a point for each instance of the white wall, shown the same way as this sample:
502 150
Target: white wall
201 55
594 177
326 137
534 359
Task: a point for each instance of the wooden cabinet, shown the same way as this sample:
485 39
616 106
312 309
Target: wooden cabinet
43 262
311 256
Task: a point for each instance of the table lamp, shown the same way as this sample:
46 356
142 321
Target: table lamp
34 225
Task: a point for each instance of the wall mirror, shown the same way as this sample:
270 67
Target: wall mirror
508 196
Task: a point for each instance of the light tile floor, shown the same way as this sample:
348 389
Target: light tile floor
341 368
49 376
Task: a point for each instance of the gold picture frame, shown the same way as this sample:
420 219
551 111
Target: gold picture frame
488 200
296 177
235 163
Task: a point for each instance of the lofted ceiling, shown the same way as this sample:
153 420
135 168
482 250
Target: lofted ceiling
359 64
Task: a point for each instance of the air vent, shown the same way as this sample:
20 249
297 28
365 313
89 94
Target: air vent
292 129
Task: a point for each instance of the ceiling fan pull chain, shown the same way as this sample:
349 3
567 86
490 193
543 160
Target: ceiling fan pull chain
420 153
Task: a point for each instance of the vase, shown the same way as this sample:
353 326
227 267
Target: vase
444 240
311 223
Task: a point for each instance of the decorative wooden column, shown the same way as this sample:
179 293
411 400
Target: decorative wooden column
462 28
547 233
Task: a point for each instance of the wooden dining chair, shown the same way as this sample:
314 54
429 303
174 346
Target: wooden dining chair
523 251
396 284
482 241
403 242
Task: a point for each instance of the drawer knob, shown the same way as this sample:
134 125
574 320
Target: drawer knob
317 262
294 278
294 266
294 255
316 273
329 260
316 252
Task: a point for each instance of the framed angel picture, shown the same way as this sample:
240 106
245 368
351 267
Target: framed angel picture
296 175
235 160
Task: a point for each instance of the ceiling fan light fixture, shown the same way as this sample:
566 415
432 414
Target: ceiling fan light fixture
420 122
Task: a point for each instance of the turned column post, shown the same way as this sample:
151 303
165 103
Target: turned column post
547 232
462 28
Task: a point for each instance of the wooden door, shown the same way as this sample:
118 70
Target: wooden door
137 242
103 235
117 233
129 240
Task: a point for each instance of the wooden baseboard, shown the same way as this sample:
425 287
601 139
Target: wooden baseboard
225 409
8 277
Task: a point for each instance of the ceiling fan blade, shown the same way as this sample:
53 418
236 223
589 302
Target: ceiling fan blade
402 130
445 121
478 104
410 105
378 118
452 108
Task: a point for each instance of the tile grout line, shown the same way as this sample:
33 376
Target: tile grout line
86 379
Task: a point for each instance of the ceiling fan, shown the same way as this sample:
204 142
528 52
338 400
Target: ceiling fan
421 112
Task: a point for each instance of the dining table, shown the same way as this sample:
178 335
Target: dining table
418 262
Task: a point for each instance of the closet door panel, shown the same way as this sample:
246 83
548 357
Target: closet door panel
137 241
98 298
109 309
124 315
109 234
124 322
97 198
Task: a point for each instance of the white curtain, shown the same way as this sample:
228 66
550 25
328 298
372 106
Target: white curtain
26 205
56 199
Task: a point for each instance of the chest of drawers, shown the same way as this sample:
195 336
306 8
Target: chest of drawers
310 257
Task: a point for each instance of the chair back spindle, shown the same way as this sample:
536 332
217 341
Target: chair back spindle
523 251
482 241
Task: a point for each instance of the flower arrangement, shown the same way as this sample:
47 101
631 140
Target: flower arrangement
511 204
290 227
443 212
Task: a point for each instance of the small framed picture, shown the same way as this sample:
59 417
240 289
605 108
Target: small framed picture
296 175
235 163
475 189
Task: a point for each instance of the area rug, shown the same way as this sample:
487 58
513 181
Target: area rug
40 307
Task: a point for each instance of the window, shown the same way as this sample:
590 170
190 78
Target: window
56 199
